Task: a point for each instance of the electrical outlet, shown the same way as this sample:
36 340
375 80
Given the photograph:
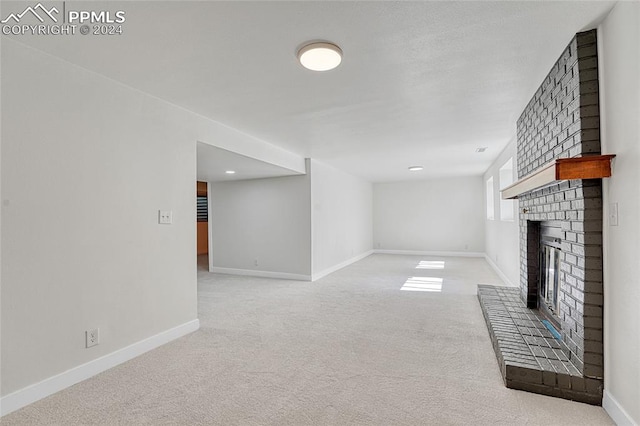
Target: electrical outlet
255 262
93 337
165 217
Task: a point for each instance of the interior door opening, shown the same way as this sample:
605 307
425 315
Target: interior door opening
202 218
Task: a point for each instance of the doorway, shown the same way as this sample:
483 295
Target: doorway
202 219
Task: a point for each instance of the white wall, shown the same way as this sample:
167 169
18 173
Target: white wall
300 227
432 215
502 243
86 165
619 56
342 218
1 208
263 221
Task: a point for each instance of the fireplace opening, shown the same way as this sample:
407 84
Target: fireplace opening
549 285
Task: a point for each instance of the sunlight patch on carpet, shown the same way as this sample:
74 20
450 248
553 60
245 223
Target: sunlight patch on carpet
430 264
432 284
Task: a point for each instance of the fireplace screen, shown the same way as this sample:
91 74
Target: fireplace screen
549 272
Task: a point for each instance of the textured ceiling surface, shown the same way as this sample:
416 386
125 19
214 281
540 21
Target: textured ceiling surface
213 163
420 82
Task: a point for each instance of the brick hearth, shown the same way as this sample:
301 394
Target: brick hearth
530 358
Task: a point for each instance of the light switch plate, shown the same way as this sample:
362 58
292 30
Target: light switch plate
165 217
613 214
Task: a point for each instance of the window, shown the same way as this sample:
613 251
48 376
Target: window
490 198
507 207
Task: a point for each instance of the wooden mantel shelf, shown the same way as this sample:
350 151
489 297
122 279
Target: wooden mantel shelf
587 167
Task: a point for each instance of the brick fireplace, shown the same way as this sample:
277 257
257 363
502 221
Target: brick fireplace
556 314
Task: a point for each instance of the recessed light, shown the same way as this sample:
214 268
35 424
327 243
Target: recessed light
415 168
481 149
230 172
320 56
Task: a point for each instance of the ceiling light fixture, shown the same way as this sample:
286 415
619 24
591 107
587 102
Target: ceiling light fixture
230 172
415 168
320 56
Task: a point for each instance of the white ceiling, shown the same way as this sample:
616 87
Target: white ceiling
420 83
213 162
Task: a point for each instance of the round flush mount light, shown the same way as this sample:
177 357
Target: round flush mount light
230 172
320 56
415 168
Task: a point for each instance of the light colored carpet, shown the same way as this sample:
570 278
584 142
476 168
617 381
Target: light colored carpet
349 349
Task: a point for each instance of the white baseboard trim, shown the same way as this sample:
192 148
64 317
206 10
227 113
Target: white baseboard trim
432 253
263 274
498 271
37 391
340 265
615 410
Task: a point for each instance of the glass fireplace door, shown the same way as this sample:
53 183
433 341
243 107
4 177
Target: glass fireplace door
549 273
